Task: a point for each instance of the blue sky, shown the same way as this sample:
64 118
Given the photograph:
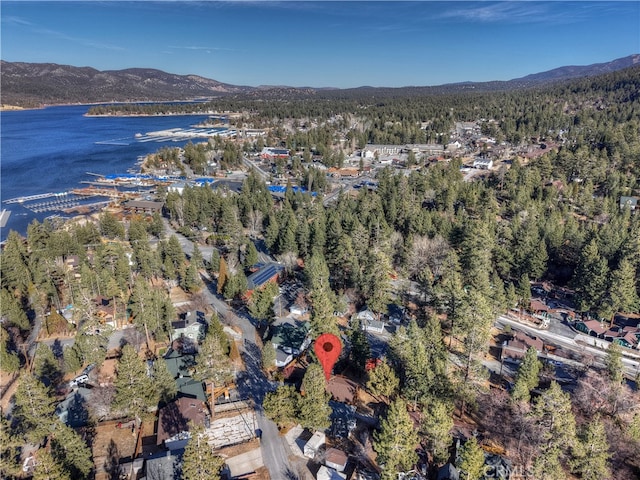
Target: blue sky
323 44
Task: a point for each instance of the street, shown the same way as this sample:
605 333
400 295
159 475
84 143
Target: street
251 383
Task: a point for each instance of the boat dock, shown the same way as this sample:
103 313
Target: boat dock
30 198
4 217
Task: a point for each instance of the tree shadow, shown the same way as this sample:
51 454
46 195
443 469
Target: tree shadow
112 463
77 412
57 348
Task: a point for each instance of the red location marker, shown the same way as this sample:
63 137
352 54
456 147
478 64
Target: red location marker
327 348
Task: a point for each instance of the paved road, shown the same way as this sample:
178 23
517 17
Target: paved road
564 337
251 382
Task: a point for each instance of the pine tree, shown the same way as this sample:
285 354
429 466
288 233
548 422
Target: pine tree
268 356
251 255
590 277
360 348
613 363
135 391
48 468
471 459
163 380
314 407
199 462
396 441
591 452
71 451
9 360
34 409
10 448
383 381
436 426
557 430
212 365
527 376
223 276
281 405
46 365
623 287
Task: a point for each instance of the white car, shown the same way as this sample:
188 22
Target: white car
79 380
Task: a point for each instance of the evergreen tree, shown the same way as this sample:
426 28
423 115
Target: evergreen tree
281 405
268 356
10 448
624 296
396 441
613 363
251 254
196 257
212 365
471 459
199 462
383 381
223 276
590 278
48 468
557 430
163 381
527 377
135 391
360 348
9 360
70 450
591 452
436 426
34 409
214 261
474 330
314 407
46 365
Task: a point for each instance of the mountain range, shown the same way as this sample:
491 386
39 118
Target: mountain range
37 84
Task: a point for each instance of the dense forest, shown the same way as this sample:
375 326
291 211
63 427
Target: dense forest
472 247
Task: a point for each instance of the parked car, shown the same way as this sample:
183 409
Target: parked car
79 380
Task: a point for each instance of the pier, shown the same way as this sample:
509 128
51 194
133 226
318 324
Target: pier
30 198
4 217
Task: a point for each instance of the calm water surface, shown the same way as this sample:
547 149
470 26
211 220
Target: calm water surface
51 150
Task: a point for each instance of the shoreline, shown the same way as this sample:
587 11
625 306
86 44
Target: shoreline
18 108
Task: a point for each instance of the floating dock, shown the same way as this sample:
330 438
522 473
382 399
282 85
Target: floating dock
4 217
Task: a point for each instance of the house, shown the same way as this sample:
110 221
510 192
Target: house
369 322
173 422
177 187
313 445
483 163
342 389
517 347
592 328
295 309
180 367
325 473
289 340
192 326
268 272
269 153
628 202
142 206
164 466
336 459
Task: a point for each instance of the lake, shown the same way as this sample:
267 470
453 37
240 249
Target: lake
52 149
